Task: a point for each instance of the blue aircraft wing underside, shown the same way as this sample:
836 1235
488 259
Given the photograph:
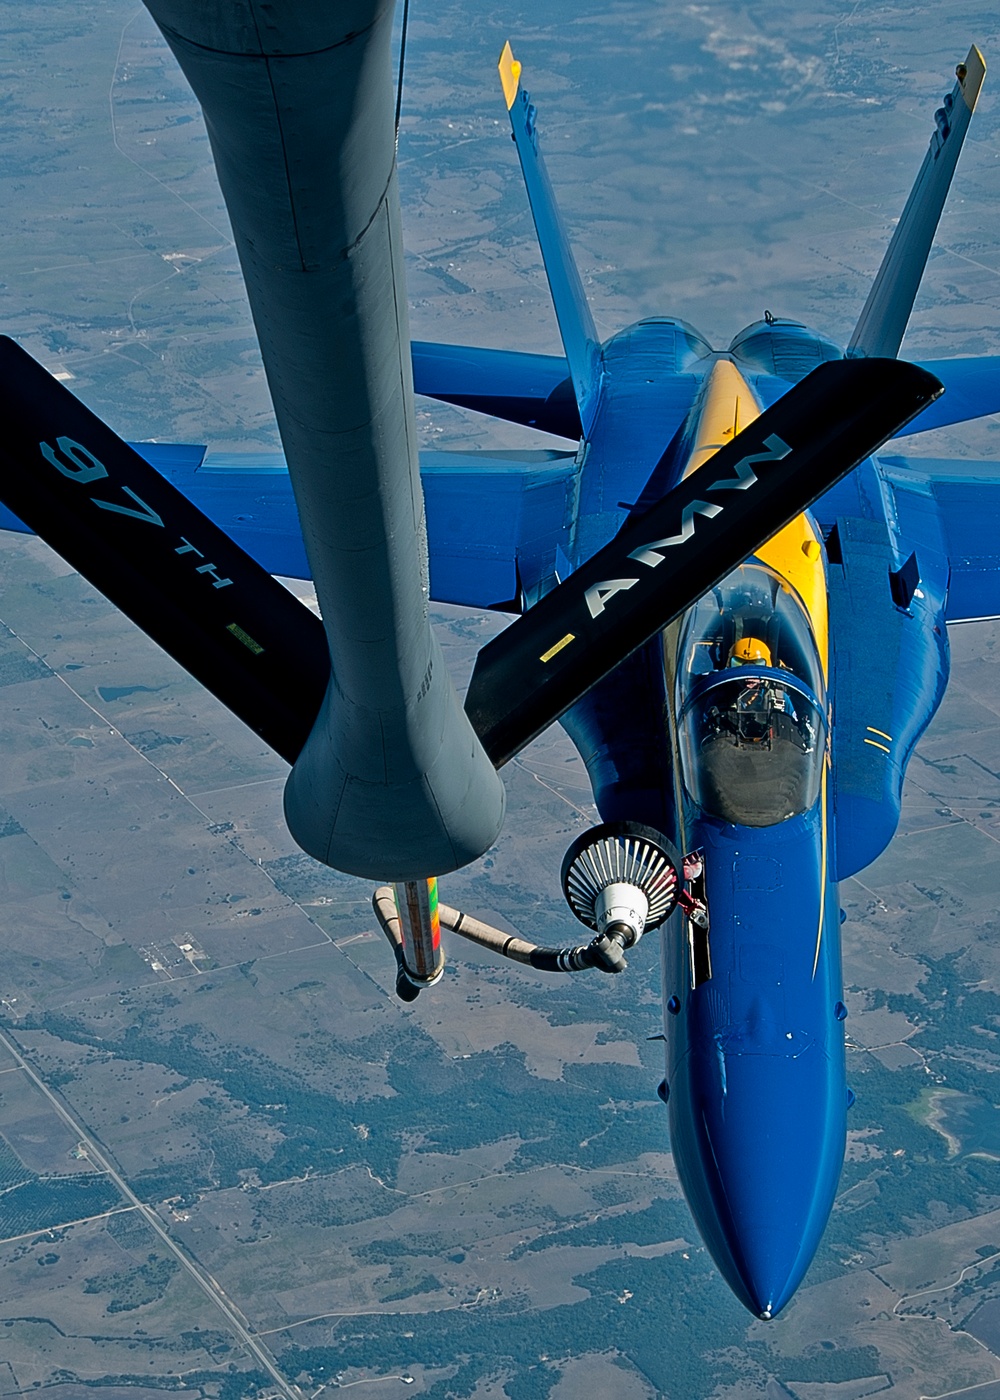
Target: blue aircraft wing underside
952 508
518 387
499 525
972 390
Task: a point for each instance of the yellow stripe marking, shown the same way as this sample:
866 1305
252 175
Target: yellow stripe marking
510 75
822 874
876 745
880 732
245 638
554 651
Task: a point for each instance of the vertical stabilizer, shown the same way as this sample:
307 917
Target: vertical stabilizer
576 324
883 321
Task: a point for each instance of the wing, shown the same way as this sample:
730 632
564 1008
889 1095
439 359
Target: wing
953 508
499 525
535 390
972 390
249 495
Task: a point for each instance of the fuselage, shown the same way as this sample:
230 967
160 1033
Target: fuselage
783 771
728 750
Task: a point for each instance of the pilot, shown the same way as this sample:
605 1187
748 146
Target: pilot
761 695
749 651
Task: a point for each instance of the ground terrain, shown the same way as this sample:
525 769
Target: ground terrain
230 1161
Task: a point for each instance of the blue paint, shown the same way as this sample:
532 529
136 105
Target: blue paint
754 1054
755 1059
754 1012
757 1097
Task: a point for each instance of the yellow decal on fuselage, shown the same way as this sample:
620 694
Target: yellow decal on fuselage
876 745
795 552
725 406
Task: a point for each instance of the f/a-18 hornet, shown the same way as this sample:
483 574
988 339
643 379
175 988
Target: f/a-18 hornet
735 608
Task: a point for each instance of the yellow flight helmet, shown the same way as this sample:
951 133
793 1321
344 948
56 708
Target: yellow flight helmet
750 651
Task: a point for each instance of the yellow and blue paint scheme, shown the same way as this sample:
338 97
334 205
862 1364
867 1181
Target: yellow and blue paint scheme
755 1071
754 1032
755 1067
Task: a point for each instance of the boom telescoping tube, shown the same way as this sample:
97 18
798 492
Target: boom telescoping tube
384 904
420 930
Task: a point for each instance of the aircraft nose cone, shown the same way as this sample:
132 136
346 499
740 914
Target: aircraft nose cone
764 1258
759 1165
769 1270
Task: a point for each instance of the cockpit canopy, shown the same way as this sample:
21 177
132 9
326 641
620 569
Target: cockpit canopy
751 701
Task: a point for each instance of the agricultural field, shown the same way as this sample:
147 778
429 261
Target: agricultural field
230 1160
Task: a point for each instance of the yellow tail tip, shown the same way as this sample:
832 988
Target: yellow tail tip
510 75
970 75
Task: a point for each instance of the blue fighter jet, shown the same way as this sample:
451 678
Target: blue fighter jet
744 679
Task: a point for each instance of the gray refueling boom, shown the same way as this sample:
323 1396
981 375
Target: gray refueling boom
298 104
